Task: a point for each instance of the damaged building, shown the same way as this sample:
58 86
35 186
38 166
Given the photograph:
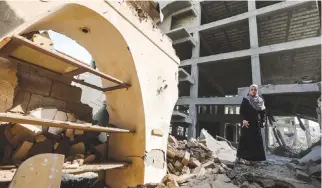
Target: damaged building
42 112
225 46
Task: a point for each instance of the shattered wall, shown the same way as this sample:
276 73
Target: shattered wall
24 89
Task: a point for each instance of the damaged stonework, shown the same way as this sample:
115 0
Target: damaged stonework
35 90
155 158
8 83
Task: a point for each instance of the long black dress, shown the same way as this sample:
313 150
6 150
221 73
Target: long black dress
251 143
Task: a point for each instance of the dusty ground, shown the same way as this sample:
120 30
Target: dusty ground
271 173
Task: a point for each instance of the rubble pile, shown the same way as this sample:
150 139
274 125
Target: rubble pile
183 157
21 141
189 164
208 163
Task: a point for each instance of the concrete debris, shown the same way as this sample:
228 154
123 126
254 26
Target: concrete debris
22 141
209 168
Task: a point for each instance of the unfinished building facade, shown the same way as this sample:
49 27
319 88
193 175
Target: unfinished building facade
124 43
225 46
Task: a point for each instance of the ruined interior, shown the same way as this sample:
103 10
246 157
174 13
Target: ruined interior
172 75
47 84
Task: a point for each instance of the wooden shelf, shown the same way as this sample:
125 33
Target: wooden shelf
25 51
96 167
5 117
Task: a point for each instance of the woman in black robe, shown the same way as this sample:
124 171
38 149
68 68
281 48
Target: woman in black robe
252 110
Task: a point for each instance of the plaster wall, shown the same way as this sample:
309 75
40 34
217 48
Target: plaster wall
132 51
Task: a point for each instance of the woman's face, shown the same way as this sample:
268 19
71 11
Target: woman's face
253 91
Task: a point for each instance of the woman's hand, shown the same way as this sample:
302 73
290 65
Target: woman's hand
245 123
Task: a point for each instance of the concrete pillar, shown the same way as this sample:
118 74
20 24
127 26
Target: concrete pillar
253 37
308 133
195 75
192 131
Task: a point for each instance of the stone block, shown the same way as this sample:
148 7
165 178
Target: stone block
21 102
172 139
81 111
33 83
37 101
66 92
194 162
186 158
178 165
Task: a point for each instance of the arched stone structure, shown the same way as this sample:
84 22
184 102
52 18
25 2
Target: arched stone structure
134 54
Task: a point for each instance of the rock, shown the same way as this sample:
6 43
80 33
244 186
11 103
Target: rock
194 162
199 171
302 176
186 158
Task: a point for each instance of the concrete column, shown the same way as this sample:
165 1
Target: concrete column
195 75
192 131
253 37
308 133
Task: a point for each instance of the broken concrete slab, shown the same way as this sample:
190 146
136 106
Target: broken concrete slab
314 155
221 149
199 171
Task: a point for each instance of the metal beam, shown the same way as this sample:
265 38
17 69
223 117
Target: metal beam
210 100
309 42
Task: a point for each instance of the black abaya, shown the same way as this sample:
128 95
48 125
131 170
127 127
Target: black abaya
251 143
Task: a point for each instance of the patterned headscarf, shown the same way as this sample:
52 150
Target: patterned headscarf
256 101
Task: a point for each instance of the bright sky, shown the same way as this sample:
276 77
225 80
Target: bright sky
70 47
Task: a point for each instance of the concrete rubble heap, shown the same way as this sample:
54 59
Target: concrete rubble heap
192 164
21 141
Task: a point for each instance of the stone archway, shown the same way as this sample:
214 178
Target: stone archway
118 51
